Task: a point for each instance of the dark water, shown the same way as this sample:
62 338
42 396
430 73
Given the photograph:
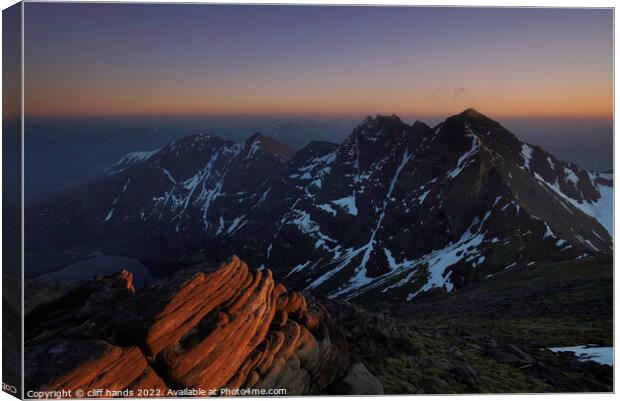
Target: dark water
102 264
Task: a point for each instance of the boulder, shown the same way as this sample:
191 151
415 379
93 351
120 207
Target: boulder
87 365
232 327
359 381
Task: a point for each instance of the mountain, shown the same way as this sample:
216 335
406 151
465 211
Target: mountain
297 132
393 212
66 153
397 210
191 190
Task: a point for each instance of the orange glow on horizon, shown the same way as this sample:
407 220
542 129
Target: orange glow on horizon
316 61
587 107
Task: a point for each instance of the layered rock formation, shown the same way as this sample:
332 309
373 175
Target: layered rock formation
207 329
235 328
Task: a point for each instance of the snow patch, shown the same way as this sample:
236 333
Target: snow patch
439 261
548 232
298 268
327 208
169 175
526 152
600 209
602 355
348 204
423 196
109 215
571 176
236 224
461 163
130 159
255 147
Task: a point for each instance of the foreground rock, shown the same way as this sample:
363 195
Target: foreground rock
453 357
358 381
230 328
233 328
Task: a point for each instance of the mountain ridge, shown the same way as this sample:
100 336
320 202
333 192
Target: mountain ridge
395 208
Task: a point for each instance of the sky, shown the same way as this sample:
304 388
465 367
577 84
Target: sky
11 62
152 60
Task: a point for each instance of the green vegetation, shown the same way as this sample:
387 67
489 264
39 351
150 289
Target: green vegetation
492 336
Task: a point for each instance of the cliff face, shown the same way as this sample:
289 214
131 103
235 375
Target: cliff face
231 328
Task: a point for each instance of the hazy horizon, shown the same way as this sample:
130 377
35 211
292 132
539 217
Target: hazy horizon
133 76
560 136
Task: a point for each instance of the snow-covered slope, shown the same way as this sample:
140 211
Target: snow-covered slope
392 212
130 159
398 210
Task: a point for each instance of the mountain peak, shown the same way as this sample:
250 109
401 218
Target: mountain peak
380 121
472 113
256 136
267 145
393 118
420 124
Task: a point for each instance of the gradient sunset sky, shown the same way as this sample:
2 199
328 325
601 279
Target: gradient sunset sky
130 59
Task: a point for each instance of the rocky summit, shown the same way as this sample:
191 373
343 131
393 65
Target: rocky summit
207 329
226 328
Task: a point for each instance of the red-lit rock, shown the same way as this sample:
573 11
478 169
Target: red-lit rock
229 328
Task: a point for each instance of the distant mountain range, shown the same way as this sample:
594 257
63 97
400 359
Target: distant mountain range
65 153
297 132
393 212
